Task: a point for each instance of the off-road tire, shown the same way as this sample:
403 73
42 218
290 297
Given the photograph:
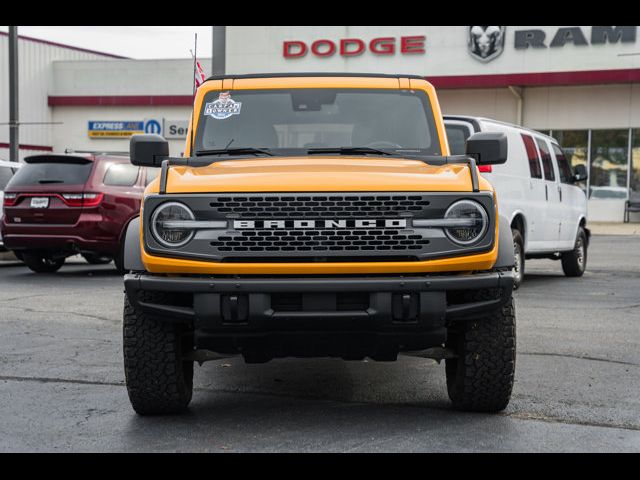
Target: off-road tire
42 264
574 263
519 265
96 259
159 380
481 378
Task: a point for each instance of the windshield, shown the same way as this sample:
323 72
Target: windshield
304 119
57 173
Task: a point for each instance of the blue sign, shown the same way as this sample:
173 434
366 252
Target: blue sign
153 126
114 128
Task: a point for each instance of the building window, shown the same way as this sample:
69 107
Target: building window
635 165
609 164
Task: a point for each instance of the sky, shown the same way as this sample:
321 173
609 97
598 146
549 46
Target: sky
138 42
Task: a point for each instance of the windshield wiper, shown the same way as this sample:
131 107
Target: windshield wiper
235 151
45 182
350 151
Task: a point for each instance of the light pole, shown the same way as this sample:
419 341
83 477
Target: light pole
218 56
14 138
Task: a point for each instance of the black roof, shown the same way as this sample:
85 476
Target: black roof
312 74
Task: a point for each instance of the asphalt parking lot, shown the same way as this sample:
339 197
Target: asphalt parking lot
577 383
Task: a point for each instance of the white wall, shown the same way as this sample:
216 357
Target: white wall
35 59
254 49
73 131
123 77
499 104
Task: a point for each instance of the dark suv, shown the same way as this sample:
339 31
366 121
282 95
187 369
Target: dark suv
57 206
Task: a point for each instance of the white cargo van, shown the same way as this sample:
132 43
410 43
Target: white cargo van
7 169
538 191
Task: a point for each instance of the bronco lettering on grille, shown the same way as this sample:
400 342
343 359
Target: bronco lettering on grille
311 224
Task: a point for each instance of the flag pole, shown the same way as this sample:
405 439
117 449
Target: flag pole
193 80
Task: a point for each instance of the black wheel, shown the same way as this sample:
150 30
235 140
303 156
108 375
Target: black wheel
481 378
41 263
97 259
519 260
574 263
159 379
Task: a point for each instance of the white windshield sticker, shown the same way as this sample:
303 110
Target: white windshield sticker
223 108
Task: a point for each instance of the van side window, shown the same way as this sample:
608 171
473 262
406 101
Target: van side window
566 173
532 155
121 175
457 136
547 162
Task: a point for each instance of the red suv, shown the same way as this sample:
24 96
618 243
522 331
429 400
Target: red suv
57 206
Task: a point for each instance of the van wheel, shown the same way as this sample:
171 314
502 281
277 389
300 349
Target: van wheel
159 380
97 259
480 378
574 263
41 263
519 259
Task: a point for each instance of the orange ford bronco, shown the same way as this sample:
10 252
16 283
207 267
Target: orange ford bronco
318 215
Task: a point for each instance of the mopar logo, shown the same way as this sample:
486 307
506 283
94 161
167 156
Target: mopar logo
311 224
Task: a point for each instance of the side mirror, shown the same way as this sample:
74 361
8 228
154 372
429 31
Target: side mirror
148 150
580 174
488 148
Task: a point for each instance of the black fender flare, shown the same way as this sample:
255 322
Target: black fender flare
132 255
506 257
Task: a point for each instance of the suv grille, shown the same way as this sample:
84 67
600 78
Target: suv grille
318 242
320 227
287 206
287 241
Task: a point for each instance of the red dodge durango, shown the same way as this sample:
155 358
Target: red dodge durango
57 206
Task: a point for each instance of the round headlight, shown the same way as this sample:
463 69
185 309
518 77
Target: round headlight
470 219
165 224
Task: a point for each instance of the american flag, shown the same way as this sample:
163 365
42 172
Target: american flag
200 77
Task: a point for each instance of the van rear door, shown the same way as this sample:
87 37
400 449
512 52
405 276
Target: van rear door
48 190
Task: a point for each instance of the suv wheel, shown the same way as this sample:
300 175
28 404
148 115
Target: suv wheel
574 263
159 379
41 263
480 378
97 259
519 260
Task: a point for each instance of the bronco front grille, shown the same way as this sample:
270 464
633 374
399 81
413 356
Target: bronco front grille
322 227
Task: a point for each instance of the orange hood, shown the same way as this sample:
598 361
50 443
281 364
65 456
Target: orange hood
320 174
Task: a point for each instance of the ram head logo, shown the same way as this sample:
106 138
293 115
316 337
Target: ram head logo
486 43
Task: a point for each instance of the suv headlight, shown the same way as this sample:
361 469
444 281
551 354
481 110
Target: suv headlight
170 224
471 221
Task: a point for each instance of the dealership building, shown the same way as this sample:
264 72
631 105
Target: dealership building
580 84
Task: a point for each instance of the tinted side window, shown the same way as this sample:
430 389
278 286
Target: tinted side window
532 155
121 175
547 162
152 174
458 136
566 174
5 175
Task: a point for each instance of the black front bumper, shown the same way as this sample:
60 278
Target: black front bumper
378 313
